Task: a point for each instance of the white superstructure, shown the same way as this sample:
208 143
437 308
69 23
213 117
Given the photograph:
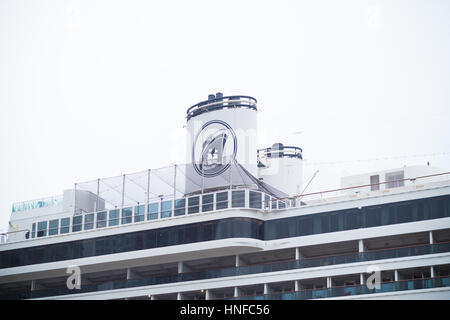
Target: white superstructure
234 223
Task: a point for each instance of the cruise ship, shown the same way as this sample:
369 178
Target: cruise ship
233 223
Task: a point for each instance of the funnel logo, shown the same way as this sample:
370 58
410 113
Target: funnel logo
214 148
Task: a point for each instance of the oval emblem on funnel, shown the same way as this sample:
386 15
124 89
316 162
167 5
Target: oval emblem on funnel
214 148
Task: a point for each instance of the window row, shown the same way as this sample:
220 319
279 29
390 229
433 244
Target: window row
392 213
189 233
366 217
163 209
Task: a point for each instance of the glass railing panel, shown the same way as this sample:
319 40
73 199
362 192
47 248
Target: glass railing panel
34 204
319 293
305 294
350 291
387 287
440 247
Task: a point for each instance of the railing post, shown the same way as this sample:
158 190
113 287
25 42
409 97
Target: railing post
231 174
297 286
123 191
148 195
203 171
298 254
174 182
75 200
361 246
267 289
238 261
98 195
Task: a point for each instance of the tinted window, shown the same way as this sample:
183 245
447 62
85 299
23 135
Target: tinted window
351 219
42 229
273 204
65 222
336 221
255 200
238 199
53 227
438 208
404 213
153 211
221 200
166 209
77 223
266 201
113 217
394 179
193 205
373 217
126 215
89 221
281 204
204 231
101 219
180 207
139 213
305 225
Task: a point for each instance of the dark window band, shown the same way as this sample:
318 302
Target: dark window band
188 233
366 217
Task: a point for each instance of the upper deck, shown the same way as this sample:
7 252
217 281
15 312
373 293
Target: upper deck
71 220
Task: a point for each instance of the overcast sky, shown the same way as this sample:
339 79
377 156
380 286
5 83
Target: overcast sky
93 89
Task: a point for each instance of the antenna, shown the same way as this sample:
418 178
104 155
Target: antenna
307 185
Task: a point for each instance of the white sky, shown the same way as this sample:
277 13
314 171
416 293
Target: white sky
94 89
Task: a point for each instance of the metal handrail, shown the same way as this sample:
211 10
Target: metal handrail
287 151
222 102
363 186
